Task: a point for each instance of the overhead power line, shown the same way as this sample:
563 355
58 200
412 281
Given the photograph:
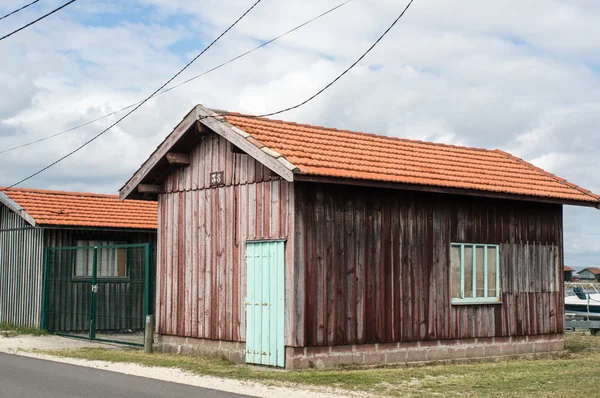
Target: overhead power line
332 82
344 72
582 261
182 83
38 20
68 130
214 116
140 104
18 9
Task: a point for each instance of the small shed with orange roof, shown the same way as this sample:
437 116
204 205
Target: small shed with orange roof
568 273
32 220
292 245
590 274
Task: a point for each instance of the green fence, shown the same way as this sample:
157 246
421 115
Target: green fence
98 292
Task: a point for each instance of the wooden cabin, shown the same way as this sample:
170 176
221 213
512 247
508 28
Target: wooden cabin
590 274
32 220
292 245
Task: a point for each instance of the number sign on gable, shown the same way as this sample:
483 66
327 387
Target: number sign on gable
216 178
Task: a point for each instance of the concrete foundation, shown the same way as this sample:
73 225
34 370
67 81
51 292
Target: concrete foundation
490 348
424 351
233 351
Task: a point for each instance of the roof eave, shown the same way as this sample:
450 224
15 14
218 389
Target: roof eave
98 228
443 190
596 198
16 208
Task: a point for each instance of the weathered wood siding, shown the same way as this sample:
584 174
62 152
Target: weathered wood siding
119 305
201 278
21 270
373 265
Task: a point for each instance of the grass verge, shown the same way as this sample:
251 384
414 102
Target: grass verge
10 330
574 372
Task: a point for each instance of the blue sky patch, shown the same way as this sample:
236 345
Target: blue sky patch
517 41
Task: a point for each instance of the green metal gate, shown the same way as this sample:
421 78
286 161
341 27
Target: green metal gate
265 303
98 292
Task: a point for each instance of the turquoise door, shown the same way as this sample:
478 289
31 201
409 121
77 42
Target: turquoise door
264 304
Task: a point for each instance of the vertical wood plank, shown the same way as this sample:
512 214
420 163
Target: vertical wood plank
230 212
350 247
181 248
188 261
202 250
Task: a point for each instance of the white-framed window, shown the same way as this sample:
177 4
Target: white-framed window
111 261
475 273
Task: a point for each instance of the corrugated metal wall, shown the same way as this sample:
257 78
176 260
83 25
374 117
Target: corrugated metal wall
373 265
21 270
201 275
119 305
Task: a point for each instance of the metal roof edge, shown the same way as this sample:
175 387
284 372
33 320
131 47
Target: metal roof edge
17 208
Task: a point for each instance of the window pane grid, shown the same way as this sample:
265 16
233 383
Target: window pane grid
497 274
485 272
111 260
462 271
474 272
478 266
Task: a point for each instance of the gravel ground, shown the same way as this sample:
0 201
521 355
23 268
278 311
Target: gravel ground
24 342
20 344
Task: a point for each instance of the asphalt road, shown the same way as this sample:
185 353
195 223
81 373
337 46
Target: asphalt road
32 378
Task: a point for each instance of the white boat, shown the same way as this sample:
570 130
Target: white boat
583 303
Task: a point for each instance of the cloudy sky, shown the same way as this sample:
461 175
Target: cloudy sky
522 76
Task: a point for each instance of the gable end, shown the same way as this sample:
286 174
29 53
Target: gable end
184 137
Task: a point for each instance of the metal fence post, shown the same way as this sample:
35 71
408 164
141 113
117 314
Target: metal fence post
147 280
94 292
149 330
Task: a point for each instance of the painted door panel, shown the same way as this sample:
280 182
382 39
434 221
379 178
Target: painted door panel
265 303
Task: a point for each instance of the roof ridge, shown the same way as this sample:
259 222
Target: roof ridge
550 175
386 137
327 152
54 192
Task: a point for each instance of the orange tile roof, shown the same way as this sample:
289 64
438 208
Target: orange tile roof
76 209
593 270
321 151
567 268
